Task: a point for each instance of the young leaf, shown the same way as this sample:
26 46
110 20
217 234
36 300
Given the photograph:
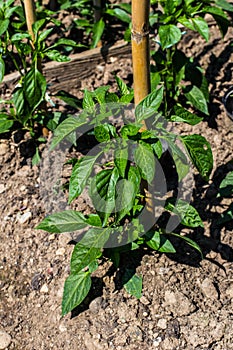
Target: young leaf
224 4
149 105
201 26
34 87
126 193
82 256
189 241
159 242
80 175
119 13
4 25
123 88
121 160
197 99
55 55
2 69
145 160
76 289
102 192
132 283
97 237
186 212
226 186
64 221
98 29
66 127
102 133
200 153
180 114
169 35
5 124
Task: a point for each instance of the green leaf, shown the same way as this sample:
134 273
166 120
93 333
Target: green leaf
102 192
94 220
44 35
76 289
4 25
129 130
157 148
200 153
159 242
80 175
123 88
38 25
66 127
19 36
98 30
186 212
82 256
2 69
34 87
121 159
225 5
186 22
197 99
145 160
169 35
149 105
36 158
201 26
102 133
55 55
226 186
180 114
88 102
126 192
97 237
5 124
132 284
189 241
226 216
64 221
69 99
120 14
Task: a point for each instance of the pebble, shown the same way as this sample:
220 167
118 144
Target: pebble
3 149
60 251
144 300
157 341
209 289
22 218
62 328
2 188
95 305
44 289
178 303
5 339
162 323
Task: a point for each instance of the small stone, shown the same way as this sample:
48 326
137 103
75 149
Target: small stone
209 289
144 300
60 251
44 289
157 341
22 188
22 218
5 339
95 305
3 149
229 291
145 314
2 188
62 328
162 323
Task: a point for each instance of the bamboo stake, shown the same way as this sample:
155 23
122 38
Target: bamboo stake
30 16
141 69
140 48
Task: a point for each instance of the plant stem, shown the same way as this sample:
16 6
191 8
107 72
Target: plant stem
97 14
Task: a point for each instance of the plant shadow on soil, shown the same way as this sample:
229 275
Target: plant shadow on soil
212 72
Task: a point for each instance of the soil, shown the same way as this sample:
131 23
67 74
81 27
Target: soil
187 302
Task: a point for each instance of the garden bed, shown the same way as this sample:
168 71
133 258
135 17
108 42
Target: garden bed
186 303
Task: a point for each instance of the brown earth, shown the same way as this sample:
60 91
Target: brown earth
186 304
